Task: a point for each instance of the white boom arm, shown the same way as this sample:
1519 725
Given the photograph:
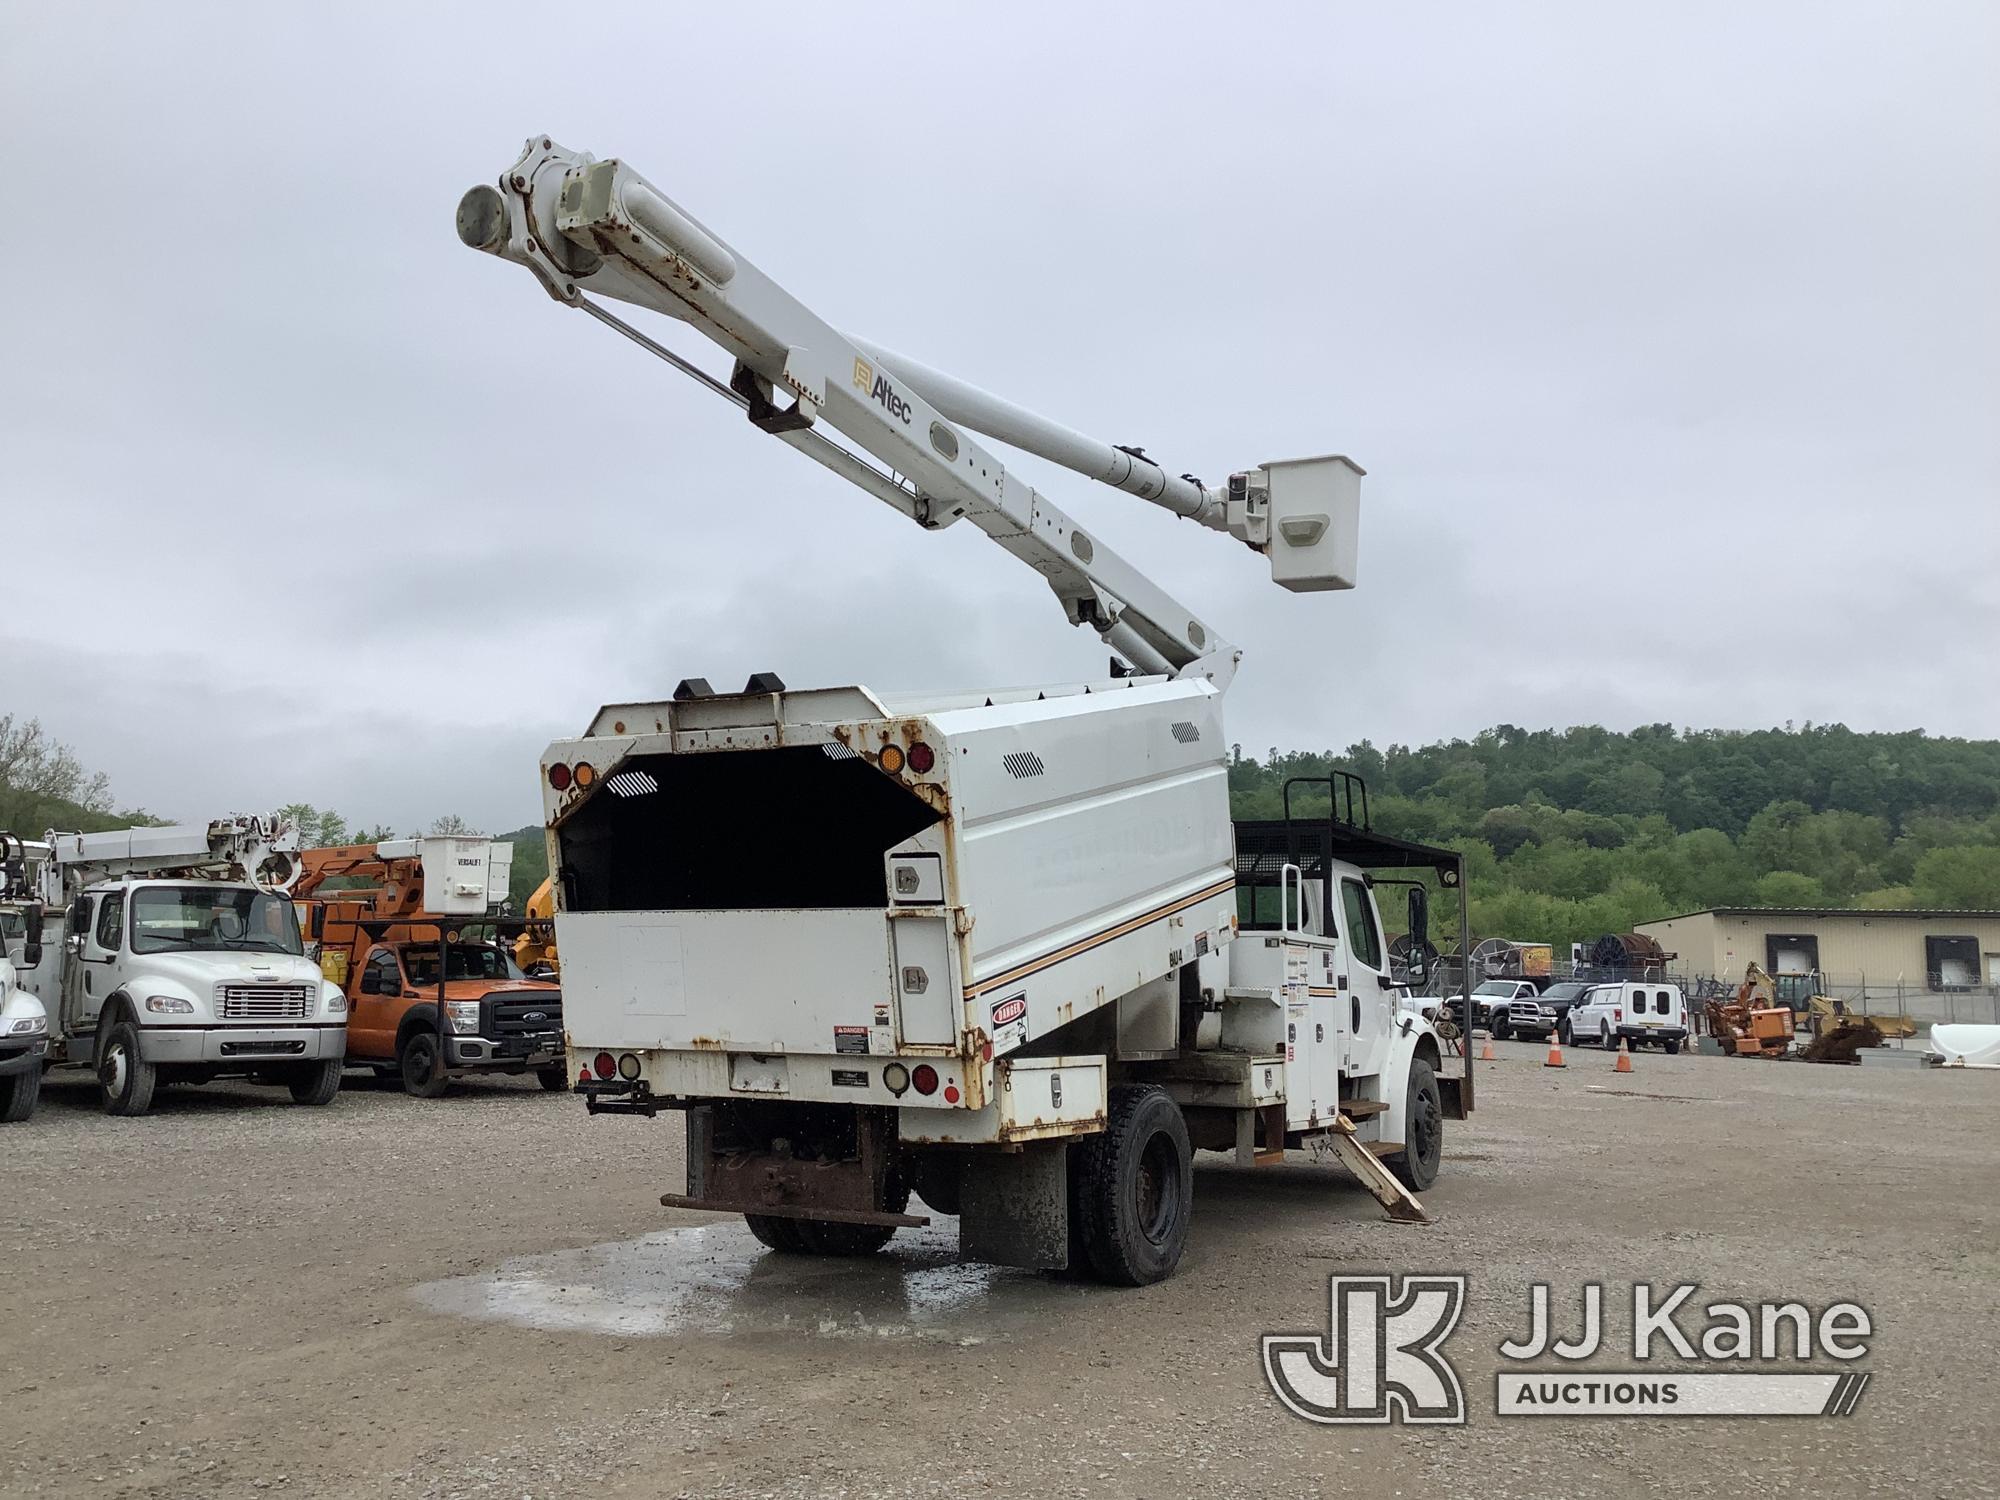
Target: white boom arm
585 226
259 850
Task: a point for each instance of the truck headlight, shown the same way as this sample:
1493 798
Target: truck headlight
463 1015
336 1003
26 1025
169 1005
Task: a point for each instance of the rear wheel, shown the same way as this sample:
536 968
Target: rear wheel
18 1093
315 1083
554 1078
781 1235
417 1062
1604 1037
1564 1034
1423 1130
1671 1047
1136 1194
124 1078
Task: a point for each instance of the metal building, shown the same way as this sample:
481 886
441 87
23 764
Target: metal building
1926 951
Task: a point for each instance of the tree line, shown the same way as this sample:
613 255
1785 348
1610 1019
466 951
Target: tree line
1568 833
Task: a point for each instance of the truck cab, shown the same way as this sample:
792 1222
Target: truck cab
179 981
24 1026
1639 1012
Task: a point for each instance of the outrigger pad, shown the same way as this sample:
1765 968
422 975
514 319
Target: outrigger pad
1014 1207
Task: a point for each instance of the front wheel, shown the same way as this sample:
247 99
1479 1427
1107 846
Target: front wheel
1136 1189
1563 1034
1501 1029
417 1062
315 1083
1423 1130
18 1093
125 1079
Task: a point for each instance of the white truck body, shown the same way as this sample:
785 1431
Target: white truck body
174 953
1637 1012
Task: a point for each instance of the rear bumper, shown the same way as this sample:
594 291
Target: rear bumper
1633 1033
245 1046
23 1057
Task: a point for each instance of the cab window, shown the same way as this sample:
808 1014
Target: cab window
1363 940
111 922
382 964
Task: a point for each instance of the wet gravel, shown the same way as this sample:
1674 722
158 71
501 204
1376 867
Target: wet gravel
479 1296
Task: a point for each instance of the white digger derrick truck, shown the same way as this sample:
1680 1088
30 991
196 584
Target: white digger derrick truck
178 959
1003 949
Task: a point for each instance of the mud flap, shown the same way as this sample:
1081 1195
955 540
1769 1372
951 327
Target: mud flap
1014 1207
1455 1098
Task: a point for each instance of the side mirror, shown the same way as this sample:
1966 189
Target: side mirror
79 916
31 926
316 923
1419 924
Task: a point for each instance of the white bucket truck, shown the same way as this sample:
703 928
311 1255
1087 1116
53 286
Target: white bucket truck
1003 949
178 959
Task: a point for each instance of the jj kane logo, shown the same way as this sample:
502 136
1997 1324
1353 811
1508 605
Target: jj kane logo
1382 1359
877 389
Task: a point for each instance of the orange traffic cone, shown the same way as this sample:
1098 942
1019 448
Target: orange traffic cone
1624 1063
1555 1057
1486 1051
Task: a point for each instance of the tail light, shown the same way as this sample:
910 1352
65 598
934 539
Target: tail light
559 777
628 1066
1617 1012
891 759
922 758
605 1065
584 773
924 1079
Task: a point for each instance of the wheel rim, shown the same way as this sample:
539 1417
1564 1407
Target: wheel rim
422 1060
1157 1199
114 1070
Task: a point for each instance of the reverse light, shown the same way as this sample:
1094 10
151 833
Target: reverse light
628 1066
463 1015
896 1078
604 1065
924 1079
922 758
892 759
559 777
169 1005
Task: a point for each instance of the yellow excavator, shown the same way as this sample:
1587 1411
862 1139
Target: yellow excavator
535 948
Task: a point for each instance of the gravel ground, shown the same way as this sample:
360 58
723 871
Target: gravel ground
479 1296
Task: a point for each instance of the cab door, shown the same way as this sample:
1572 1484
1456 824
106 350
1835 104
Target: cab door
1370 997
95 932
375 1006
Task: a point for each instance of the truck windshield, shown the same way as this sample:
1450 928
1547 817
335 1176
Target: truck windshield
167 919
466 961
1495 987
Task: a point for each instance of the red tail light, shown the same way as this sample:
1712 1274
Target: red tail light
559 776
605 1065
922 757
924 1079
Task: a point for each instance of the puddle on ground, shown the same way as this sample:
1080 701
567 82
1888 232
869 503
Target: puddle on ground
717 1279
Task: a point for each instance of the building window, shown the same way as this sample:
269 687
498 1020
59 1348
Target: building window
1951 963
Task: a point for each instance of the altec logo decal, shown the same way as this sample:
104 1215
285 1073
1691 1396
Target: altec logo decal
877 389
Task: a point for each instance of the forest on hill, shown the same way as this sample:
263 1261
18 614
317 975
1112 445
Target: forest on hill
1568 834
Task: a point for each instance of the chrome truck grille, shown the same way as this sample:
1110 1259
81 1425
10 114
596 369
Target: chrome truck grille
263 1002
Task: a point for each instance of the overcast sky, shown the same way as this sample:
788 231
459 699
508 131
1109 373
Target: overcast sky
1668 335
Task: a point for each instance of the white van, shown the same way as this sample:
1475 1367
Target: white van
1639 1010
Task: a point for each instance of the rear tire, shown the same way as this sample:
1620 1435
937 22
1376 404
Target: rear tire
1604 1037
554 1078
781 1235
125 1080
1563 1034
1136 1196
936 1180
18 1094
316 1083
1671 1048
1416 1165
417 1063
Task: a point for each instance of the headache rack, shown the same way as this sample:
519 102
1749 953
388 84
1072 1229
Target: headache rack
1311 842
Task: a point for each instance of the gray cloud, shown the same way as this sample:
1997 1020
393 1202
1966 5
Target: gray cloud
1668 339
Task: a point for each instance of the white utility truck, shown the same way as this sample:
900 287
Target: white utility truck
180 959
1001 948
